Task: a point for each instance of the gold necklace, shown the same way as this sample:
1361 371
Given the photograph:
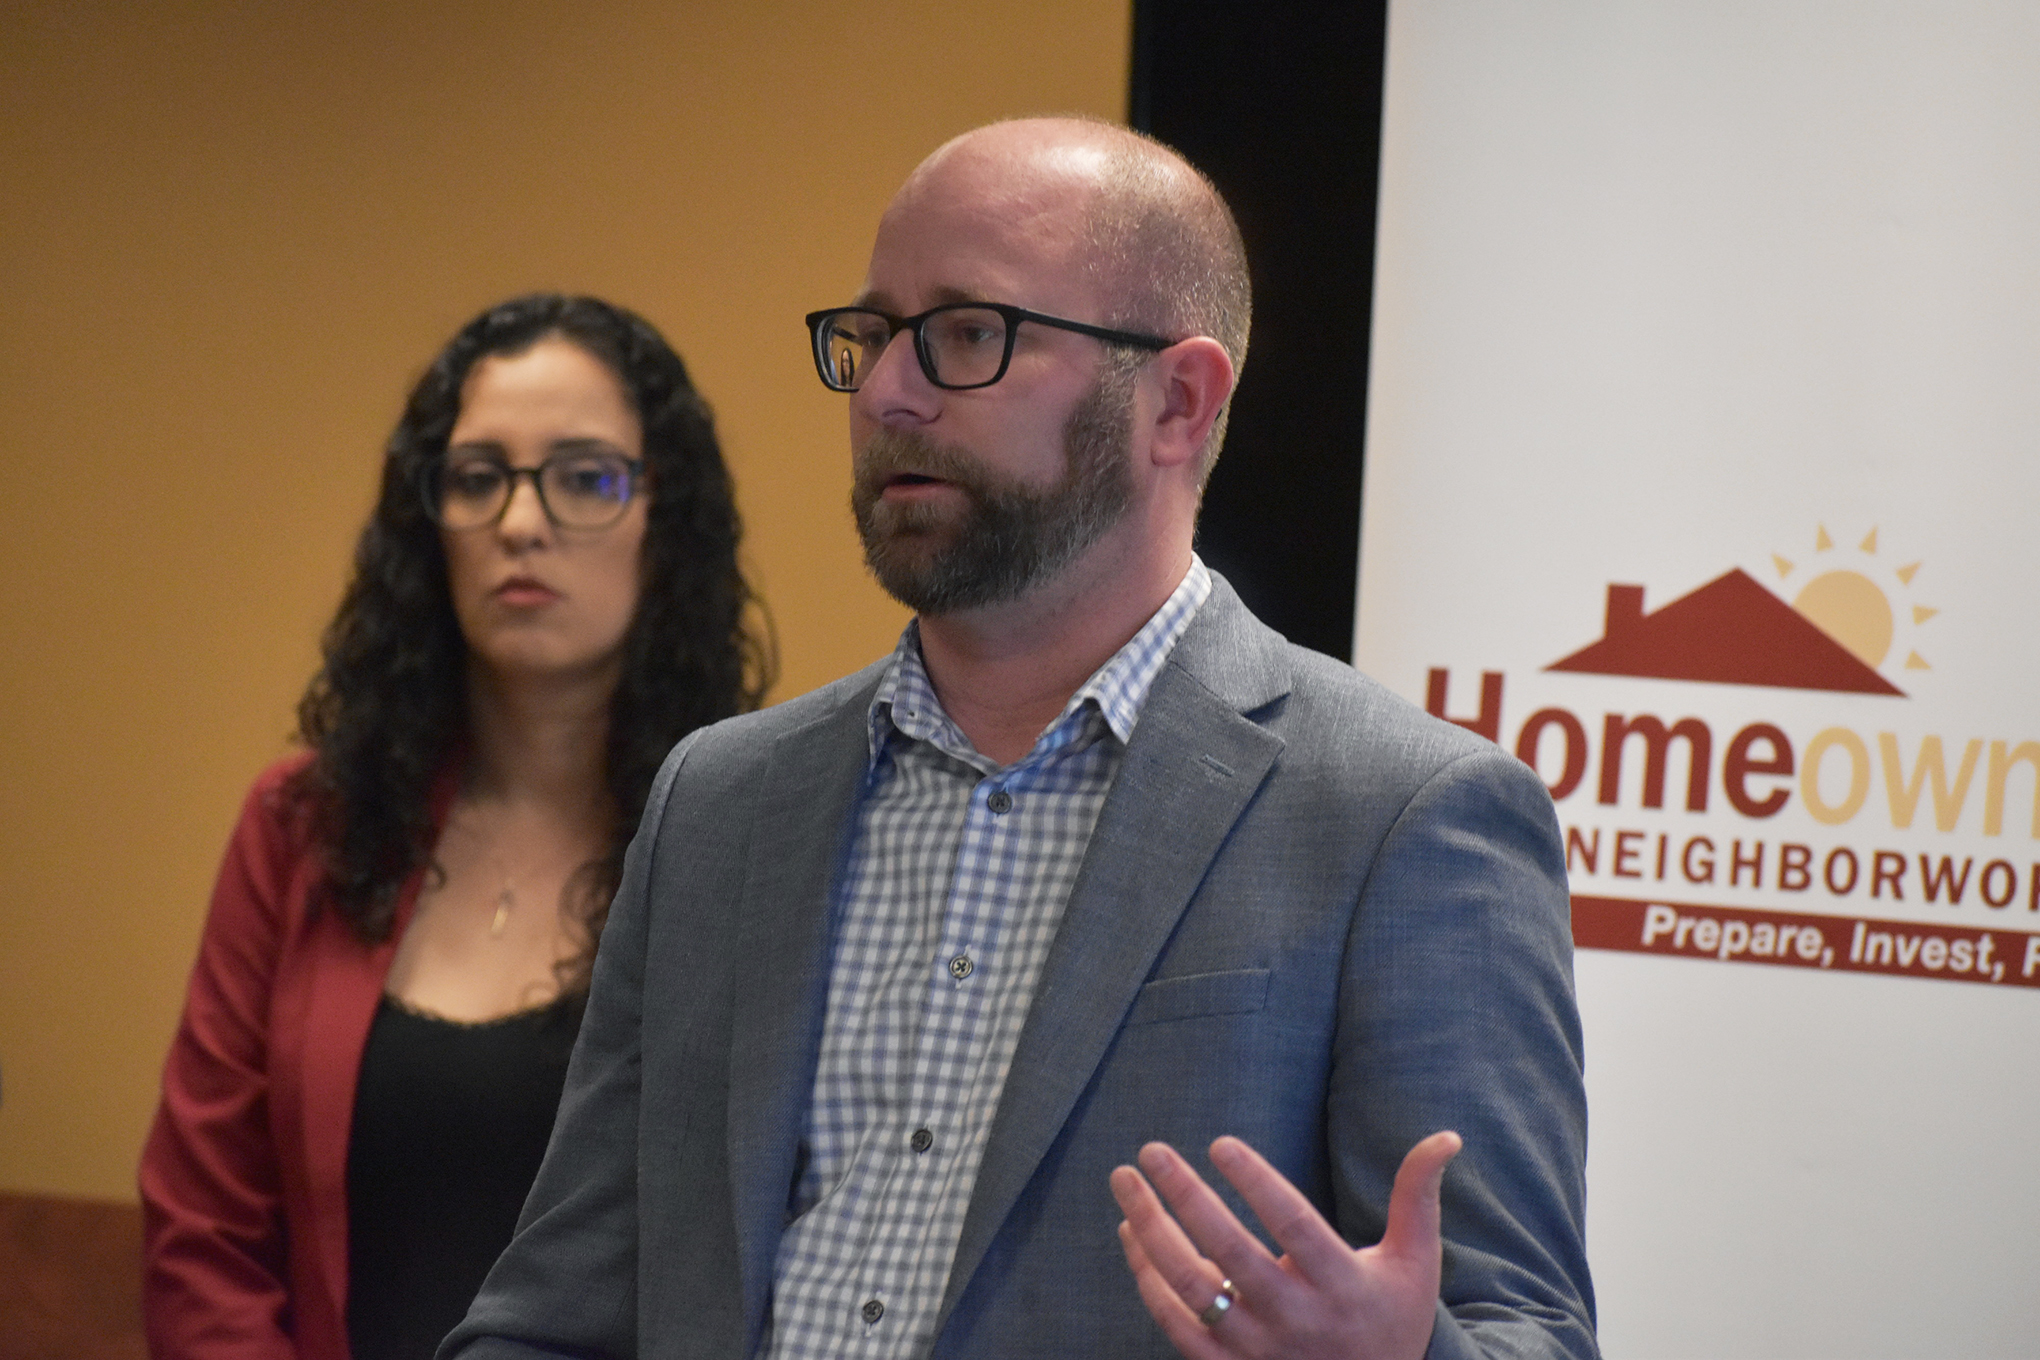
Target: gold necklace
506 900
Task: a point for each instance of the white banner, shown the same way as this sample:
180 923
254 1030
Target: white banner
1701 474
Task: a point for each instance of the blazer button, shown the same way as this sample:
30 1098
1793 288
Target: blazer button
873 1310
922 1140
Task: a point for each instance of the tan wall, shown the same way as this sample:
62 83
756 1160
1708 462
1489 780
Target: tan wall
230 237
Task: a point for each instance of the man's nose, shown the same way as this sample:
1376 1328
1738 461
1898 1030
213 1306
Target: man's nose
895 390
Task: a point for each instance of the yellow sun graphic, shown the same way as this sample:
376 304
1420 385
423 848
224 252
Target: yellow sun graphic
1851 607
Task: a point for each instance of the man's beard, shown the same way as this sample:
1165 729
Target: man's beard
1010 537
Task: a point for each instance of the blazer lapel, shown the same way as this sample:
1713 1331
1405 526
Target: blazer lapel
1193 765
341 989
810 786
344 985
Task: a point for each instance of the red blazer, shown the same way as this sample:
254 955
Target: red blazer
244 1176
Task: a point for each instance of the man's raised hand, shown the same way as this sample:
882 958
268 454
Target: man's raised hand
1320 1298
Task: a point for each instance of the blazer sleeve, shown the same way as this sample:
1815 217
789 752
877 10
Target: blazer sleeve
1458 1012
216 1266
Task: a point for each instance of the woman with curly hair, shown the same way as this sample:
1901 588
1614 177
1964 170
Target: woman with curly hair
391 975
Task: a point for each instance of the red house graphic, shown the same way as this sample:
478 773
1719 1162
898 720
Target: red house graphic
1730 631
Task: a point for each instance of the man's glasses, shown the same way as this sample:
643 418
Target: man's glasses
960 345
577 489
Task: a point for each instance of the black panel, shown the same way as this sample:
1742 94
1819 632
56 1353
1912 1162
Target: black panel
1280 103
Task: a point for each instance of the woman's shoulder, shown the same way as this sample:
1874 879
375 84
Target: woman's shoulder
281 776
261 896
277 814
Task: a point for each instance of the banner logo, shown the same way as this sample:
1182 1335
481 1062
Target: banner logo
1850 607
1730 631
1759 836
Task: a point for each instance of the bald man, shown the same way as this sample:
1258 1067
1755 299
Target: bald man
908 975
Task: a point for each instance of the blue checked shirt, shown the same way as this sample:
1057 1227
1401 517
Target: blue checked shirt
945 909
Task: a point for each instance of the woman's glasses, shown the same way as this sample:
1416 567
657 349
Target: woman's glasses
577 488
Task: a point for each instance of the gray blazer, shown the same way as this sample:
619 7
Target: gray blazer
1310 915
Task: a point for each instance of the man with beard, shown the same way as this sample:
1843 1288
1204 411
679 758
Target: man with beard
1092 868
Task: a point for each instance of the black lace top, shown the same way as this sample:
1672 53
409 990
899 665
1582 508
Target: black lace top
450 1122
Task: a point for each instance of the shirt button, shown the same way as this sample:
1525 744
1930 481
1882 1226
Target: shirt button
1001 802
873 1310
961 967
922 1140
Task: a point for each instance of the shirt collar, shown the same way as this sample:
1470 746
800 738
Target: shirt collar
906 701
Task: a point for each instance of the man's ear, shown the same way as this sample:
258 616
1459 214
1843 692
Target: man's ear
1196 379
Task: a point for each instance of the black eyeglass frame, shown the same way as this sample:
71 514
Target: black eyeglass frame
429 474
817 323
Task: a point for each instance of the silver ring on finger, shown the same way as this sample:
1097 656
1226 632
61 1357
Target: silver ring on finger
1219 1305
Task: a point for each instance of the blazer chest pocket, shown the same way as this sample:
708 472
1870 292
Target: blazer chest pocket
1236 992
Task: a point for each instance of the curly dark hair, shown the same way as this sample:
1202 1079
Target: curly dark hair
386 716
